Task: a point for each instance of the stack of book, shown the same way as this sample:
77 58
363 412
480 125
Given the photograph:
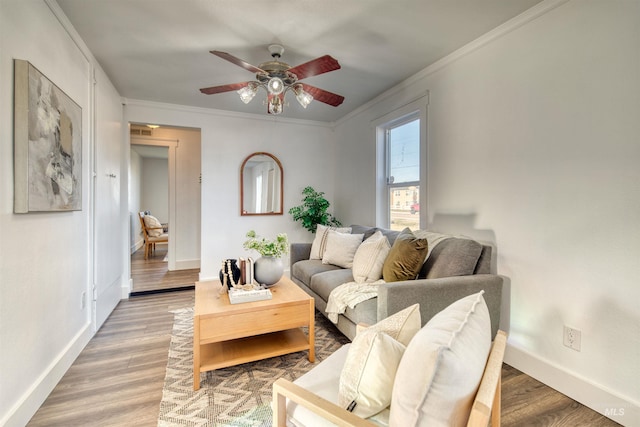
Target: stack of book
237 295
246 271
247 290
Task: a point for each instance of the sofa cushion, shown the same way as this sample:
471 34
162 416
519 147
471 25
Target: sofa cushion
367 377
368 232
341 248
363 229
320 241
452 257
323 283
369 371
441 368
370 257
405 258
391 235
304 270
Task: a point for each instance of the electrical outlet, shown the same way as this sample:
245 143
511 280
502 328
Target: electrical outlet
83 300
572 338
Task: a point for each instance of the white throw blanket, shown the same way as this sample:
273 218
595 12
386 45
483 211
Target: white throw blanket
348 295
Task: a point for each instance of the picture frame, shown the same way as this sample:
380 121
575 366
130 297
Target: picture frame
47 144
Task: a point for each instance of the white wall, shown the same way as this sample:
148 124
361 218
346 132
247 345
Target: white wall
305 149
533 139
45 258
155 188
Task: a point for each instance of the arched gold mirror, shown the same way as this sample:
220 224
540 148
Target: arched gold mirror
261 185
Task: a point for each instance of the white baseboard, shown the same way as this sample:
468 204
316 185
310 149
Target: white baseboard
608 403
126 288
35 396
137 245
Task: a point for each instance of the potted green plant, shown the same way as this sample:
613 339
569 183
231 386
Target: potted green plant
313 210
268 269
274 248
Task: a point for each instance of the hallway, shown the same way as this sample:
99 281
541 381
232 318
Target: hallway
152 275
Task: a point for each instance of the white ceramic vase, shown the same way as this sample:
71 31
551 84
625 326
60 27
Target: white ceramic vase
268 270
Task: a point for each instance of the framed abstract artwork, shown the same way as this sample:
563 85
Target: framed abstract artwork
47 144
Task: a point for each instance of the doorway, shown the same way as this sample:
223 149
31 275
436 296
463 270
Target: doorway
163 159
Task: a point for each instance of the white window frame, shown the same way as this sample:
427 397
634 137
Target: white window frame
416 109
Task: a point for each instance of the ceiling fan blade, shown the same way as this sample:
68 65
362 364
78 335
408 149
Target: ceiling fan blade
321 65
239 62
323 95
224 88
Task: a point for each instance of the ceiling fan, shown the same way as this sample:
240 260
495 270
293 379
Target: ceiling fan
277 78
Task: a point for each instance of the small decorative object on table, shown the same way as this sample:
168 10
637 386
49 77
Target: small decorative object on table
238 295
230 273
269 268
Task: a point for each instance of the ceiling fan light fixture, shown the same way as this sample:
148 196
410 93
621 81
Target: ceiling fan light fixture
248 92
303 97
275 86
275 105
278 78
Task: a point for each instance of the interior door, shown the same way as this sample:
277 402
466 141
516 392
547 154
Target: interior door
108 261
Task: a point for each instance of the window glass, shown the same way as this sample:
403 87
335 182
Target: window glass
403 179
404 152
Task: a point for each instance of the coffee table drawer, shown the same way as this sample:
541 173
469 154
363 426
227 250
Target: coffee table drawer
247 323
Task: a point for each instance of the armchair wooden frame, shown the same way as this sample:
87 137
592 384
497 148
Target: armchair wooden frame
486 405
150 241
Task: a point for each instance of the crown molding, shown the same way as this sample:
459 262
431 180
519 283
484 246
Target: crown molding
501 30
222 113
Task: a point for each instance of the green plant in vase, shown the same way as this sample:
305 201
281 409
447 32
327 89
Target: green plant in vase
313 211
268 269
274 248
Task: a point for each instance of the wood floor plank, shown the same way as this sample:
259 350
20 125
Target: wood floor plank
117 379
153 273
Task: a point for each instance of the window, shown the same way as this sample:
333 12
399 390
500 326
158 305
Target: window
402 144
401 175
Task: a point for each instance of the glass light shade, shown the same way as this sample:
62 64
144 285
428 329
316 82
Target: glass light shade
303 97
275 106
275 86
247 93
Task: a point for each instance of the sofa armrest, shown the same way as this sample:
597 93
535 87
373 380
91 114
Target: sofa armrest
298 252
434 295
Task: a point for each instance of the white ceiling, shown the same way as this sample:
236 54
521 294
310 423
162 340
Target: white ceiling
158 50
151 151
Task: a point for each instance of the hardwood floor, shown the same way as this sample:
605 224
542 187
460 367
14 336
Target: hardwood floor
117 379
153 275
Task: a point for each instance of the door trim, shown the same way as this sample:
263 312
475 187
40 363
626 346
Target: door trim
172 145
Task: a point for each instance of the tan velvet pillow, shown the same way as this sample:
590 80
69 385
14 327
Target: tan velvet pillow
405 258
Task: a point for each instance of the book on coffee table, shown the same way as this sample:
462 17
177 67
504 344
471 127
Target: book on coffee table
237 296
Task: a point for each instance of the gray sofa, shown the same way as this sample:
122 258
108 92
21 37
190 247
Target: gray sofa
455 268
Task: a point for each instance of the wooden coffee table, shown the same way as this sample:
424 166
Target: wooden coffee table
226 334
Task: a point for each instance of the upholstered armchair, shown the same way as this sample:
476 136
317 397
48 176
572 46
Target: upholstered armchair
447 374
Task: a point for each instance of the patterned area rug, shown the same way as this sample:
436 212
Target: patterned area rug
238 396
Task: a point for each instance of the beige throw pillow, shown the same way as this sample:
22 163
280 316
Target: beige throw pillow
405 257
367 377
341 248
320 241
370 257
154 228
439 374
